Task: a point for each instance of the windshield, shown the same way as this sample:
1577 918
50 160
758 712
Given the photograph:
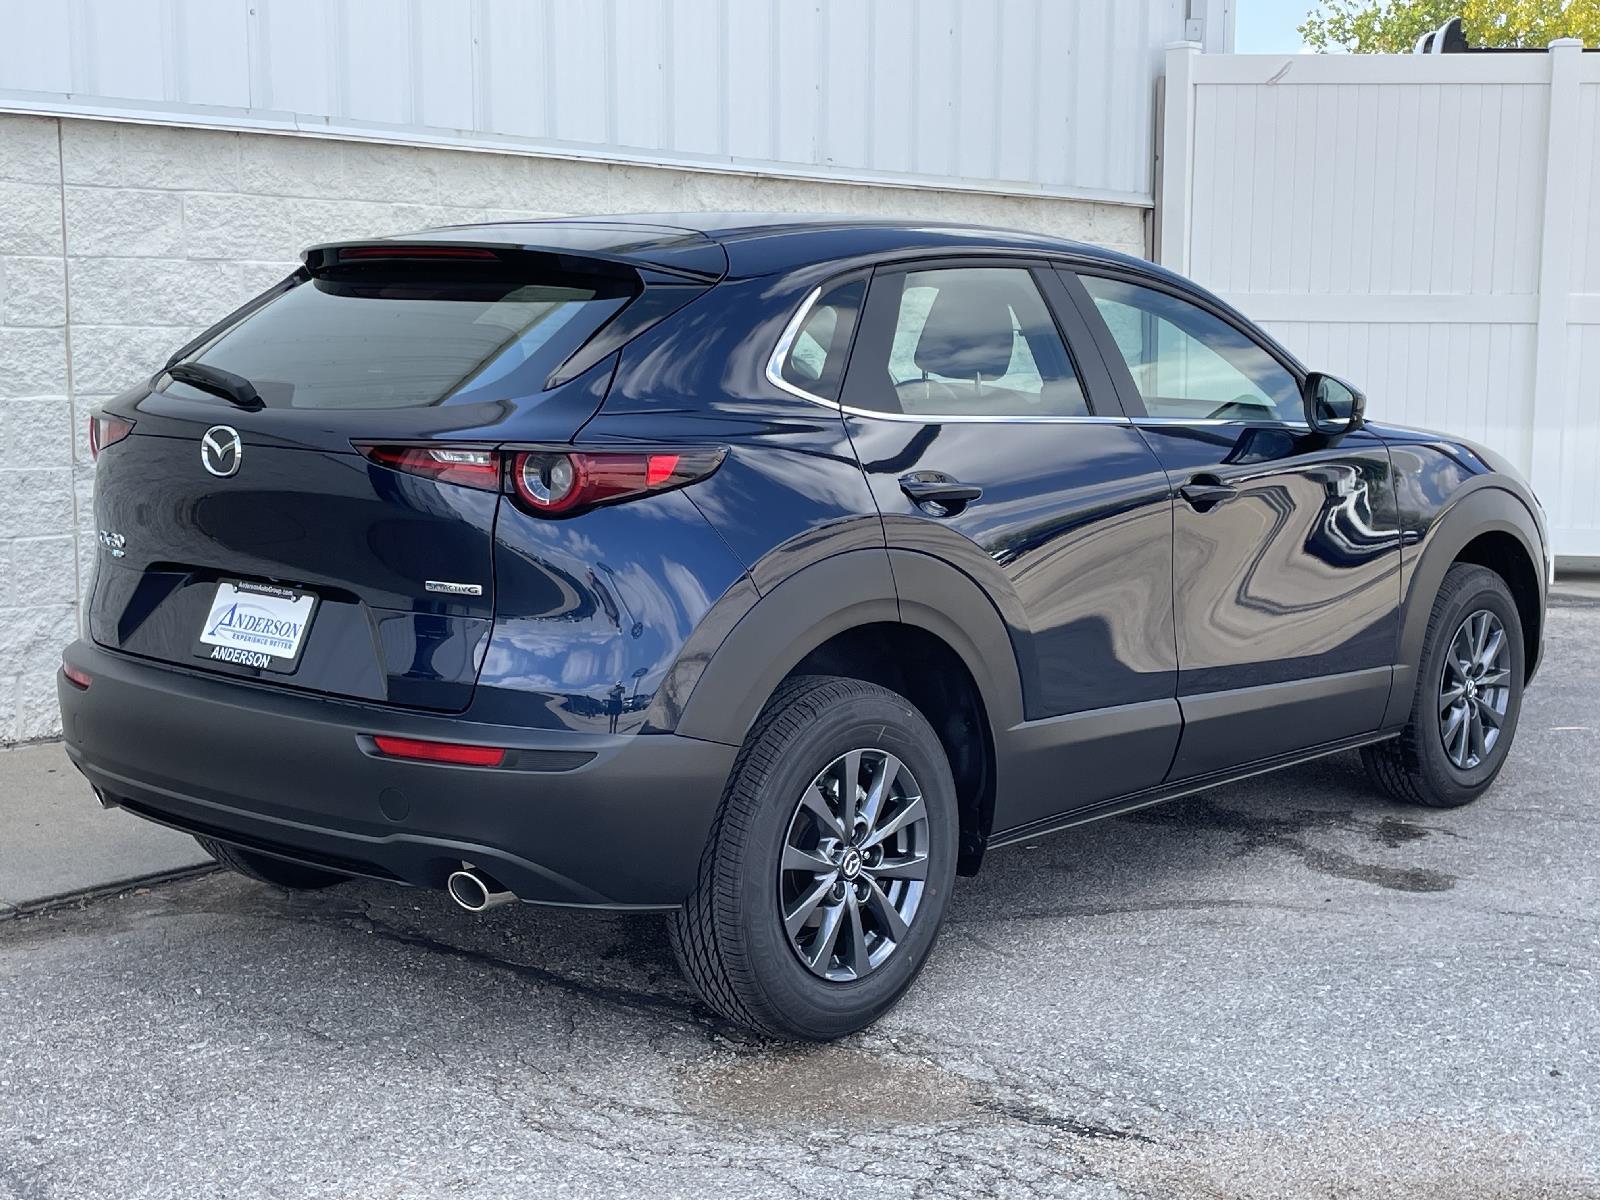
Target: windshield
362 339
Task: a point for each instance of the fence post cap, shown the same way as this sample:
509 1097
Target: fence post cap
1566 44
1192 47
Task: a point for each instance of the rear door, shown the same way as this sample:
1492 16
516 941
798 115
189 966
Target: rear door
313 539
1285 543
989 443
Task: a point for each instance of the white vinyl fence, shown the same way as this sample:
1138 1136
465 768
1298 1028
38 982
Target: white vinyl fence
1428 226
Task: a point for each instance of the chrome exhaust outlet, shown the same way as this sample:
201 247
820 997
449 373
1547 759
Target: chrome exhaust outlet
475 892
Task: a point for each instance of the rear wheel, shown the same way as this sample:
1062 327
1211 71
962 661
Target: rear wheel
266 869
1468 697
827 871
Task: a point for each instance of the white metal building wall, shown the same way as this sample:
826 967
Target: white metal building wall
121 237
1031 96
1427 226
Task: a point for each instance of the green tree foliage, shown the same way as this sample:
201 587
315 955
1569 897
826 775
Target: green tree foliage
1393 26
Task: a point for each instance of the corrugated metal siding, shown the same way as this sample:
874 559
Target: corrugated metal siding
1013 95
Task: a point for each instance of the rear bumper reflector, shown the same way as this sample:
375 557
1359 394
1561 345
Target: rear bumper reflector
440 752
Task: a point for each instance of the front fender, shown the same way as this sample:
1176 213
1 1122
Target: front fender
1480 506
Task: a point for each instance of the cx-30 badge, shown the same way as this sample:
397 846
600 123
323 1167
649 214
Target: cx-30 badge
221 451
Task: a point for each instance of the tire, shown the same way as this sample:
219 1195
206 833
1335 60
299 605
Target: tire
1417 767
730 938
266 869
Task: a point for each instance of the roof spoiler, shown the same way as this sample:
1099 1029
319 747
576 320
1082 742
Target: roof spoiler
574 246
664 286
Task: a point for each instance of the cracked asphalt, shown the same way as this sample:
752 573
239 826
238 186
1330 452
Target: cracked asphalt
1287 988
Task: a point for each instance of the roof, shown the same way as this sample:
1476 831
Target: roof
742 244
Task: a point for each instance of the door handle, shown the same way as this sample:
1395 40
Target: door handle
938 494
1205 492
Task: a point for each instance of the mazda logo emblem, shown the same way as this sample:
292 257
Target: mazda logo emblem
221 451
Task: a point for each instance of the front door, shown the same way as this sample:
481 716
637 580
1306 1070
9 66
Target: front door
1286 552
986 445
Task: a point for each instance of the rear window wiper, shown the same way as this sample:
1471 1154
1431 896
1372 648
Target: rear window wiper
235 388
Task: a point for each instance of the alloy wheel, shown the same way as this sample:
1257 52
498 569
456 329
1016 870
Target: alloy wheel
1474 689
855 864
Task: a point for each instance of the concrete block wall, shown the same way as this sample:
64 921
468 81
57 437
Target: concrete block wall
118 242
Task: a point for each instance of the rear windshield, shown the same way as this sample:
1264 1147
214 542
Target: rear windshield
377 339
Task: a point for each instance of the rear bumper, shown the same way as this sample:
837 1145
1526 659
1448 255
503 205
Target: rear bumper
615 821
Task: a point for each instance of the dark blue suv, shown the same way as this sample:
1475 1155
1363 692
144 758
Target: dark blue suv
766 570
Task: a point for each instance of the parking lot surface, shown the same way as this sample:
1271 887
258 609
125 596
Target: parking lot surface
1286 988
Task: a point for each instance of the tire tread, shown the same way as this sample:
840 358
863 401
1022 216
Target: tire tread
1396 765
702 931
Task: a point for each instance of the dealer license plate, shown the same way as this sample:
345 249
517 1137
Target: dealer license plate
256 625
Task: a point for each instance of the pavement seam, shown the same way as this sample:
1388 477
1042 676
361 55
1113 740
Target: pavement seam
102 892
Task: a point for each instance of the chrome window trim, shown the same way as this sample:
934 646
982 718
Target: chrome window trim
1267 423
957 419
785 343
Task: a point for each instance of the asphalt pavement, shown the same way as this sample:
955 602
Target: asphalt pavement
1287 988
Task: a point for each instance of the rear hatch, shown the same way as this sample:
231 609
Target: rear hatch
250 525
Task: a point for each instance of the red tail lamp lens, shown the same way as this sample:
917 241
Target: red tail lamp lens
78 679
467 466
455 753
106 430
458 253
553 483
658 469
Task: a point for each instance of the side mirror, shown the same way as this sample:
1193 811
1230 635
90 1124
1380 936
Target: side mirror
1333 407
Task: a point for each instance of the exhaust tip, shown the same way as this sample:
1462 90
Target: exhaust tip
474 892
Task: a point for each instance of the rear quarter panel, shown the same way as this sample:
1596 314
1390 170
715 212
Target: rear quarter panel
594 611
790 492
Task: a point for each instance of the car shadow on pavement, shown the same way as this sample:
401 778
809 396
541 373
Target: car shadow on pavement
1206 850
1323 817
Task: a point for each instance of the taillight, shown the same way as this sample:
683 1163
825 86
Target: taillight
554 482
449 464
79 679
106 430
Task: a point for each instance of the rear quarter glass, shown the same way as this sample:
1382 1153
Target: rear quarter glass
381 336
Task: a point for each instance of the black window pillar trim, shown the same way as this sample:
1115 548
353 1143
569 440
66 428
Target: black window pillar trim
1111 356
1099 335
1088 357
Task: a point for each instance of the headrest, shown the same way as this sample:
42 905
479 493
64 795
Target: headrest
968 334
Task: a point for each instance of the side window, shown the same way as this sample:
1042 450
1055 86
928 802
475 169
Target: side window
967 341
1187 363
816 356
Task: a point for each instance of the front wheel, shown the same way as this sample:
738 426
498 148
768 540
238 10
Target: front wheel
826 874
1468 697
